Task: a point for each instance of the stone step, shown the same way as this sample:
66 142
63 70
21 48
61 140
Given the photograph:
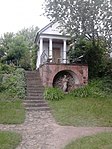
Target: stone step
35 94
34 85
32 72
37 108
29 78
30 93
40 97
35 88
34 98
35 91
34 101
32 77
33 82
35 104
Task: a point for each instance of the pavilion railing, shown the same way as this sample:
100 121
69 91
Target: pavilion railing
45 59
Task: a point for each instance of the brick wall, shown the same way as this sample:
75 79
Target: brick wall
49 71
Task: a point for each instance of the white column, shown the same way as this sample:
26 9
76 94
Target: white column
40 50
64 51
38 60
50 50
41 45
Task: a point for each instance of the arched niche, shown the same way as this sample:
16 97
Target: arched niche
73 80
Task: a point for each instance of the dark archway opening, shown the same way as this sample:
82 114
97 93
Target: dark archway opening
58 79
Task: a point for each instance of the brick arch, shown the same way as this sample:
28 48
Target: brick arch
49 71
75 74
73 81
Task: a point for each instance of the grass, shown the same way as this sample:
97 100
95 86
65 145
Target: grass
11 112
9 140
99 141
82 111
12 91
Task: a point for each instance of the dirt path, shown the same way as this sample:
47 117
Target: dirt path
40 131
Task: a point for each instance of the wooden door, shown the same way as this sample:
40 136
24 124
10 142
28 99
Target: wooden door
56 55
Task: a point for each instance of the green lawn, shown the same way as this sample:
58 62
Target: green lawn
99 141
83 111
9 140
11 112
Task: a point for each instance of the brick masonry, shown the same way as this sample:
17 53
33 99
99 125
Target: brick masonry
49 71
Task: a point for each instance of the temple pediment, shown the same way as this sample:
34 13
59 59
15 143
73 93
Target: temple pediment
52 29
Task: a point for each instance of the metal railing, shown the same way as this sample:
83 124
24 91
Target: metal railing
45 59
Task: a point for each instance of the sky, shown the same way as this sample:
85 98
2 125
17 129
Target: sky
18 14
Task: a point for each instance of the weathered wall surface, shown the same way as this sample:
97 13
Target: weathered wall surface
49 71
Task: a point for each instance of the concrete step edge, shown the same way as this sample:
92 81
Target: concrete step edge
38 109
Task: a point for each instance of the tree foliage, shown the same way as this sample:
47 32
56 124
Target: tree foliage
29 34
5 41
17 48
87 18
96 58
89 22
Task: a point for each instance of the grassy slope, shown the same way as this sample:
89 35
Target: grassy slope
12 88
9 140
83 111
99 141
11 112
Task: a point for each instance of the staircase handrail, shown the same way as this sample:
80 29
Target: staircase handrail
44 57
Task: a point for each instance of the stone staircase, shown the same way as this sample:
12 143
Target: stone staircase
34 98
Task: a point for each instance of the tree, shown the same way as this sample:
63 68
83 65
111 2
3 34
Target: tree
97 59
89 22
18 47
29 35
2 52
90 19
5 41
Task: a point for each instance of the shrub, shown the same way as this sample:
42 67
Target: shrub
20 84
81 92
4 68
1 86
53 94
107 85
1 78
95 88
14 84
25 63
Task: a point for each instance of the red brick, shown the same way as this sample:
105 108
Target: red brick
49 71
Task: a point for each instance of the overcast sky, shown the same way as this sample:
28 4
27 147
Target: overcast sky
17 14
